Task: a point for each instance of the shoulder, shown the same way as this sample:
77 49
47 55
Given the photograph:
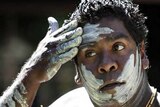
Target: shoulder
75 98
158 94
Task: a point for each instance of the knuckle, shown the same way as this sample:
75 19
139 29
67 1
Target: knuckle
79 40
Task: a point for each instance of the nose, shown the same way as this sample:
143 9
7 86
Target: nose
107 65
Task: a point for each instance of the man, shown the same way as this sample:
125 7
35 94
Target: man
106 39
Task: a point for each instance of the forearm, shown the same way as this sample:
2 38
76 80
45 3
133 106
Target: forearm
22 92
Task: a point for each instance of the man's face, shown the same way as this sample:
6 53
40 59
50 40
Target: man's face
109 63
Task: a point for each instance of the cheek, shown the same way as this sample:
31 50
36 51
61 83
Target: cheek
90 63
122 59
91 67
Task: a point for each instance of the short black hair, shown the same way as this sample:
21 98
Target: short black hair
91 11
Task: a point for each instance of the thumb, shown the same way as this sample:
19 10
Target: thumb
53 24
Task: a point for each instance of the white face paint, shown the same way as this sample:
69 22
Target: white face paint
94 29
131 74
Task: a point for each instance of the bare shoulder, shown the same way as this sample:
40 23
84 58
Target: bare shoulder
74 98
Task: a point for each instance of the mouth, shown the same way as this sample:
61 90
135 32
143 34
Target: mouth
110 85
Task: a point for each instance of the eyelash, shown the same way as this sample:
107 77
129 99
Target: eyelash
117 45
90 53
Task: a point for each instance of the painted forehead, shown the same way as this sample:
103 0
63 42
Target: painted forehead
91 32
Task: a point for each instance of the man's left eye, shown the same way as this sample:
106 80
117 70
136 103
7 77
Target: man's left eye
118 47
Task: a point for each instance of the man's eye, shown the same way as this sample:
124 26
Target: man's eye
118 47
90 54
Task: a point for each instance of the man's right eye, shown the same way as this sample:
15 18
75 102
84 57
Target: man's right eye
90 54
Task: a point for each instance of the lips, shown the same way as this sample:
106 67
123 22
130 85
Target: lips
110 85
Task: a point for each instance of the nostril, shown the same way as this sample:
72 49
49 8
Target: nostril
105 69
102 70
112 68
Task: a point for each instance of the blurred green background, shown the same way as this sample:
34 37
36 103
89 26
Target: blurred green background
24 23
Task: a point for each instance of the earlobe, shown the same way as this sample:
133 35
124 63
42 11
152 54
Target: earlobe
77 79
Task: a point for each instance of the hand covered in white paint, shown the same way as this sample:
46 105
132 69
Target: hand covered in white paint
58 47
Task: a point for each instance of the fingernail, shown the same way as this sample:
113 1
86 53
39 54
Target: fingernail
79 31
79 40
74 51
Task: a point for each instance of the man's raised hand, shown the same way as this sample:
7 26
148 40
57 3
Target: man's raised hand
58 47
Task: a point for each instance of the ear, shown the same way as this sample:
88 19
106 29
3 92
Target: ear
77 77
144 58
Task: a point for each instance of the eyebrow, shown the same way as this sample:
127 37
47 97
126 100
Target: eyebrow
110 37
116 36
90 44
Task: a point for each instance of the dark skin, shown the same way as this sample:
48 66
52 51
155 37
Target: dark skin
106 58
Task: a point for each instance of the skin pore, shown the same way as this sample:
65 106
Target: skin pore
109 65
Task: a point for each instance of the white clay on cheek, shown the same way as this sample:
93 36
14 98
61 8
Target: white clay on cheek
91 32
92 85
90 79
131 74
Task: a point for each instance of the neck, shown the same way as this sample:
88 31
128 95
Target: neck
143 95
